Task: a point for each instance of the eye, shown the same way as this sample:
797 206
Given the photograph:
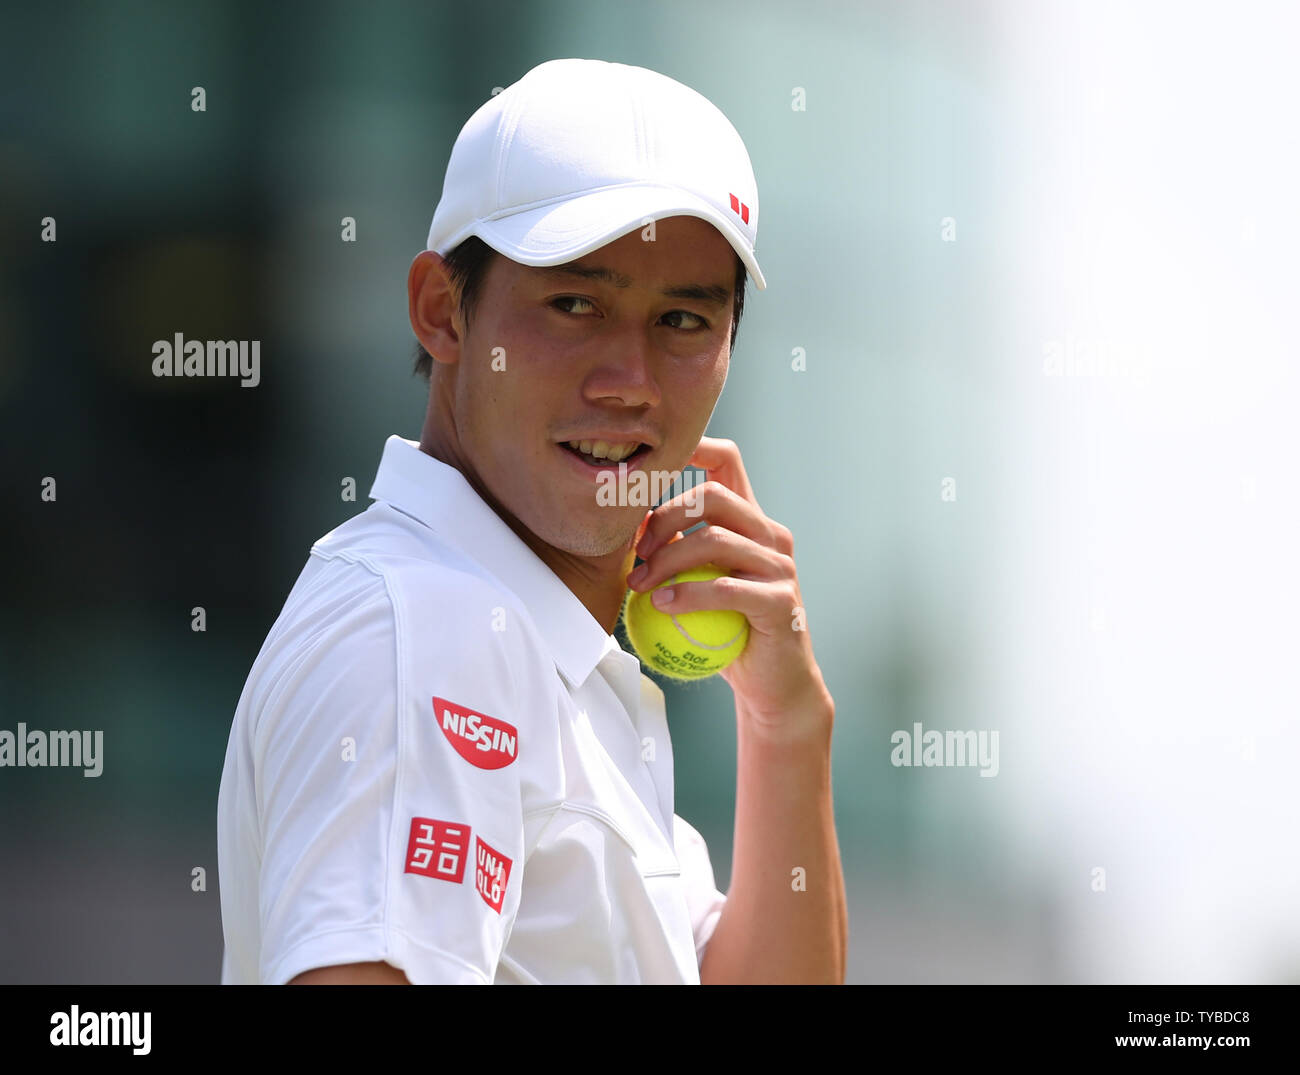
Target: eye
562 304
570 298
703 325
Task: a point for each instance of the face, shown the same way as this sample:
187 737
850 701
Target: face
635 355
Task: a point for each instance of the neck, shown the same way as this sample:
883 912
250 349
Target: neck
597 581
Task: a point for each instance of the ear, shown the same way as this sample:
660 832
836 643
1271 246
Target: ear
435 319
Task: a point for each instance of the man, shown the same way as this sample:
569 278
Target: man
443 767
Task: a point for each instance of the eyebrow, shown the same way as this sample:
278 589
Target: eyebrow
712 294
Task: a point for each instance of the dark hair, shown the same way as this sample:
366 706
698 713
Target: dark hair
468 263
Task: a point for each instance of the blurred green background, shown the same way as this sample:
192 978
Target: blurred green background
181 493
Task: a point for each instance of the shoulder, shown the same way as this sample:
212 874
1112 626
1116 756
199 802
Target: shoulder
396 658
431 586
394 618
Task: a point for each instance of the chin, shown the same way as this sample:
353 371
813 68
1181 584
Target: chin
599 540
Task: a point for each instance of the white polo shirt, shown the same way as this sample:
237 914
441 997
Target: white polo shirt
441 760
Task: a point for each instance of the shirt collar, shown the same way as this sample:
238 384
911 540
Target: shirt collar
440 497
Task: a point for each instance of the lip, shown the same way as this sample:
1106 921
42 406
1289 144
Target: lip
591 471
626 436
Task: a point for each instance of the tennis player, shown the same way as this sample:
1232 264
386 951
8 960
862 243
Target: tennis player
443 767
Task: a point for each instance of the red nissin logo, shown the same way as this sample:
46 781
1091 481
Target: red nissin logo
481 740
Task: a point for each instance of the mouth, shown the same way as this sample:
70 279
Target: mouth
601 455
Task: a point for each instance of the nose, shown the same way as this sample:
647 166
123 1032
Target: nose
625 371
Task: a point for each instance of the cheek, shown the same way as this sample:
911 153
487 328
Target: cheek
693 387
526 343
504 398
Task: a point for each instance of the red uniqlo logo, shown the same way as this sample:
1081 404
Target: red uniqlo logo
437 849
491 874
737 206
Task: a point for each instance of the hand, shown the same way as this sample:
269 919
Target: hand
776 681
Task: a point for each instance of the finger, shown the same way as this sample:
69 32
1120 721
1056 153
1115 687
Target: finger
708 502
642 559
758 602
720 459
640 530
734 554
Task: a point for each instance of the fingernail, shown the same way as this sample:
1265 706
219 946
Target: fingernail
637 575
663 597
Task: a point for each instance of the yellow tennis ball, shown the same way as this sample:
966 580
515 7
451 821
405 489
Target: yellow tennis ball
689 645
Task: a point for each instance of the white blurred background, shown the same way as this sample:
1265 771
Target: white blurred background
1151 657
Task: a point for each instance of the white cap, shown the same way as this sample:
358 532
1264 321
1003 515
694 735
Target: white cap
580 152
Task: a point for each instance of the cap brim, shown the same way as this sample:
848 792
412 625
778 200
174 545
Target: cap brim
562 231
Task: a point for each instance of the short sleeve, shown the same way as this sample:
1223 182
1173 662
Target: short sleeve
704 901
387 788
